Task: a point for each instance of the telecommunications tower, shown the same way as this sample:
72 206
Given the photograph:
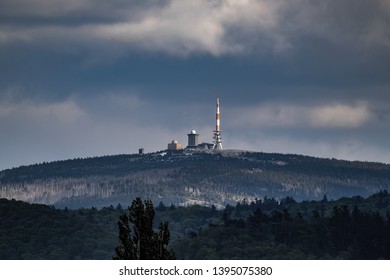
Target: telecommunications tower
217 132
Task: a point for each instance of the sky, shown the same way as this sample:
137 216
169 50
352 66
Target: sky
85 78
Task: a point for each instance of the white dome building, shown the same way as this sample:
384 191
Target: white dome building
174 146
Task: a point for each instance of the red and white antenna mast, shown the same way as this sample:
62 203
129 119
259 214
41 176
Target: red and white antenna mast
217 132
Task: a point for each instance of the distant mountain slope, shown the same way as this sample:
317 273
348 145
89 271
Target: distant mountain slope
190 177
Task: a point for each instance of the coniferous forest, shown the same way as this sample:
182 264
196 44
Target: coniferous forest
190 177
347 228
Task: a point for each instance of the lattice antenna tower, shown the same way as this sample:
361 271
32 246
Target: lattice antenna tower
217 132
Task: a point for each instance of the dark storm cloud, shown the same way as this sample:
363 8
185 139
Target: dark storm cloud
248 44
90 10
215 27
299 41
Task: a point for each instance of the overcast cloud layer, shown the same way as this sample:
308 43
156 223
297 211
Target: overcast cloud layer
93 77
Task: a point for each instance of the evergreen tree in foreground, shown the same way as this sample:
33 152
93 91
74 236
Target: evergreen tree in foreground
138 240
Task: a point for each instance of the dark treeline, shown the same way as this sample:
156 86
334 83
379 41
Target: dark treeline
33 231
348 228
284 232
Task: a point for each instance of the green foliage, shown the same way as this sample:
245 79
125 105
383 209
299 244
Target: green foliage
347 228
141 242
330 230
32 231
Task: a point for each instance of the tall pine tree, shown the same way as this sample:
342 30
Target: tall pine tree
138 240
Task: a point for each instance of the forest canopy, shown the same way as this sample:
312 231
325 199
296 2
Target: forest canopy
347 228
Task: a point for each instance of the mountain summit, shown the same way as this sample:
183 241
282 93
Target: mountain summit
191 177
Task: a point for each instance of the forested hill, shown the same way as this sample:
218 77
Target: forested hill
347 228
191 177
